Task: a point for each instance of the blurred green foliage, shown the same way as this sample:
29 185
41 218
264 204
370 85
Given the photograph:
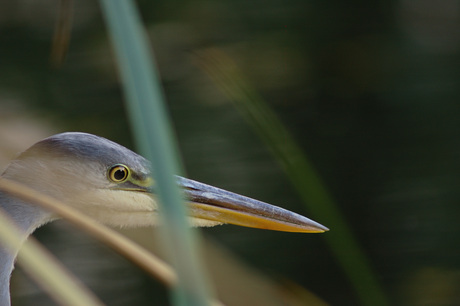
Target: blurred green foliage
368 89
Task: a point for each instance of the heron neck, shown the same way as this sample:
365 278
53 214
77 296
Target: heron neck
6 268
27 218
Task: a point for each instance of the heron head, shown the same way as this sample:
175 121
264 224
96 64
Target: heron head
113 185
90 173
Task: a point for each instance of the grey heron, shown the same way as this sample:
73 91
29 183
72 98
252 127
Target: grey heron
113 185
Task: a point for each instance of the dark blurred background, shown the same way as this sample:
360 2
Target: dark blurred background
369 89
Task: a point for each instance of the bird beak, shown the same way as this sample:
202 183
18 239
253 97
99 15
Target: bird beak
214 204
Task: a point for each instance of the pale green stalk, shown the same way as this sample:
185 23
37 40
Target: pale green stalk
155 139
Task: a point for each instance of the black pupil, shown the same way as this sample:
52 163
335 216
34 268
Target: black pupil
119 174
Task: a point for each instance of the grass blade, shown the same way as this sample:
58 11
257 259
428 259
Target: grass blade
44 269
145 260
299 170
153 135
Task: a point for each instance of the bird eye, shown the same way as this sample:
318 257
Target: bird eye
118 173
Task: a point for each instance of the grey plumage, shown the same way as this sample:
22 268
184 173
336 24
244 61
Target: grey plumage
112 184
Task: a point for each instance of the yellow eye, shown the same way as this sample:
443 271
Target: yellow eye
118 173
